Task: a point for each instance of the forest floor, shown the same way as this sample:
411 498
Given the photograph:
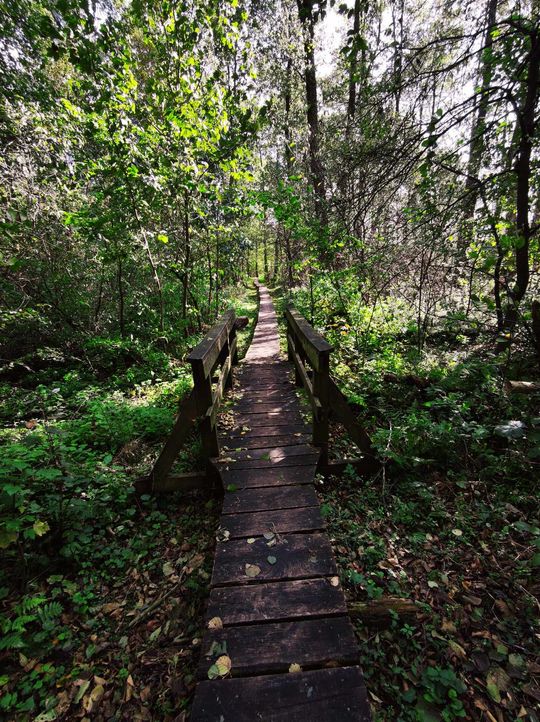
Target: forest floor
102 596
451 524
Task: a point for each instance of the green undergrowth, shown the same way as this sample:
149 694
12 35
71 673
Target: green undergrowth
467 554
81 554
451 520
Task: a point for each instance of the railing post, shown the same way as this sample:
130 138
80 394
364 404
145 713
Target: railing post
204 399
233 337
229 379
321 378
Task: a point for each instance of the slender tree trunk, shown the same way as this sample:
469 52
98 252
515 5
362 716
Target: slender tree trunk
477 142
287 123
120 284
528 125
187 261
288 157
305 12
353 68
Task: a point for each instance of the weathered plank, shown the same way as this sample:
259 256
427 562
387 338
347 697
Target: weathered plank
298 556
273 418
276 601
270 430
327 695
263 648
281 476
264 393
263 407
281 521
262 442
272 453
272 463
282 497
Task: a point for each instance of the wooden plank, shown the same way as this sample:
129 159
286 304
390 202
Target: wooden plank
263 648
276 601
207 351
313 344
262 442
264 392
270 419
291 412
268 499
285 461
272 453
282 521
255 478
345 415
324 695
258 386
187 413
264 407
298 556
266 431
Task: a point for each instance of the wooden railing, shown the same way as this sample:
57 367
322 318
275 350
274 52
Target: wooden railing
310 353
211 363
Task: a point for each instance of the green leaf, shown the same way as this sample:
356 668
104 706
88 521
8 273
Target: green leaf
40 527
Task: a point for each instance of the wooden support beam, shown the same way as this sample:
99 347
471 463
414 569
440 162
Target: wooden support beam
345 415
187 413
174 482
366 466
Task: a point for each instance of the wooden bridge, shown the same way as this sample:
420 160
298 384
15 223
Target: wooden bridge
279 644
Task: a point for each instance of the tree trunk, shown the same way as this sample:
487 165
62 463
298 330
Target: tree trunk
187 262
120 283
477 143
353 69
305 12
527 127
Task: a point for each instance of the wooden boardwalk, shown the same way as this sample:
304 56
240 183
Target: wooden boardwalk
275 598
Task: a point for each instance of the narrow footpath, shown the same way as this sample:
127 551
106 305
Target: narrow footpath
276 613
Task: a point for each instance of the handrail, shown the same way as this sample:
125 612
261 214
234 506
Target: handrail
306 348
218 348
217 352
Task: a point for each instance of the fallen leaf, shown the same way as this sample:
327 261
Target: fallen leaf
83 685
251 540
215 623
271 559
295 668
457 532
168 569
457 649
252 570
334 581
221 667
93 700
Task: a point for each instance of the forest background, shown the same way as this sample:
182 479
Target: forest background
376 162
